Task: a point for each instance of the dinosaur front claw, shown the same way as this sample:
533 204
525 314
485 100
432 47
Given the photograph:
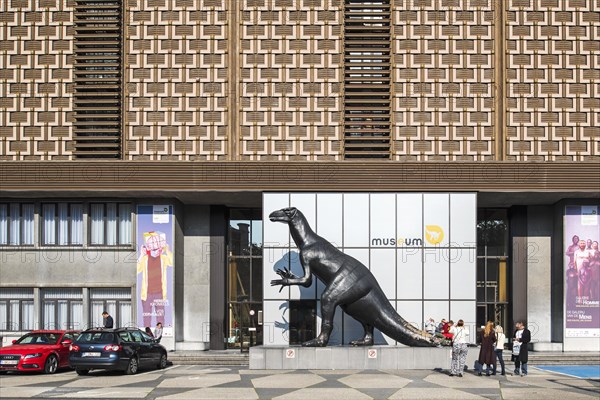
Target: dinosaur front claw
283 282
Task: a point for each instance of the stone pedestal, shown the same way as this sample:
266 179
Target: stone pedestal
338 357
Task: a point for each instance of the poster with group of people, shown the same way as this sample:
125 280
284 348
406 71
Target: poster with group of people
582 271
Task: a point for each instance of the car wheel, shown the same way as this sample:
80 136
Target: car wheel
162 364
51 365
82 371
132 368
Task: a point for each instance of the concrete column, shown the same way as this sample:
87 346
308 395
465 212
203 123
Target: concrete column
217 252
85 323
539 260
518 224
37 309
194 281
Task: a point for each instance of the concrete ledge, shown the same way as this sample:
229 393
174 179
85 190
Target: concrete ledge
338 357
547 346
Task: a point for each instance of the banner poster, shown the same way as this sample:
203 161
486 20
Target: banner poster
155 266
582 271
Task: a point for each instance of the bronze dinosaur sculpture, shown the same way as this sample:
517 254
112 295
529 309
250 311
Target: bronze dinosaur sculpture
348 284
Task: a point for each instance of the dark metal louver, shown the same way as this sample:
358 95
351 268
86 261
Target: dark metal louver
367 79
98 81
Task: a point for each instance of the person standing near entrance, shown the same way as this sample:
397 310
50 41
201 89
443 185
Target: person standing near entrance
107 320
498 348
520 352
459 348
486 352
158 332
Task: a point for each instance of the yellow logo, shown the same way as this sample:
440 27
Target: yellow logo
434 234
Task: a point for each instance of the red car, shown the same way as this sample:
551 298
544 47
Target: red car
38 351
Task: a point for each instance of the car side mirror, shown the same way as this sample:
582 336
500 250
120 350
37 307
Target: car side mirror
66 342
14 341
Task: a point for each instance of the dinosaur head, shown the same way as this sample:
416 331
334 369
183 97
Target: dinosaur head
284 215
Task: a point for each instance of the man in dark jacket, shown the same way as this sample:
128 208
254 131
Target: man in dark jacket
107 320
520 354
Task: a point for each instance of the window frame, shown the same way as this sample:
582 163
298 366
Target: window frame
10 318
21 224
105 224
42 224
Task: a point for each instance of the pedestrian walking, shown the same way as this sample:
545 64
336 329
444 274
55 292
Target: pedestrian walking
107 320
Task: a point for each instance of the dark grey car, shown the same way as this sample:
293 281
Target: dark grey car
123 349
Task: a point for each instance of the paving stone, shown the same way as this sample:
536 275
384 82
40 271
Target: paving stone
215 393
378 393
368 381
110 392
329 384
467 381
106 380
330 394
199 380
11 379
19 391
434 394
293 381
270 393
422 384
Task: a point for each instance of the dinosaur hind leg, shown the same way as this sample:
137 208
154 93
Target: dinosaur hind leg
367 339
327 313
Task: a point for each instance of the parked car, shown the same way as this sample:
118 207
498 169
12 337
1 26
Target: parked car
45 350
125 349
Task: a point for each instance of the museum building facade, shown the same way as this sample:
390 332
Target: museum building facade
143 144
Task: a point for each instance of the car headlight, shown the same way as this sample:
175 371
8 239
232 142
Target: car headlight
36 355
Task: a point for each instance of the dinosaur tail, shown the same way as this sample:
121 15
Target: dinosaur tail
396 327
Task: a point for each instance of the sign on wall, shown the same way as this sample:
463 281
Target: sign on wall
582 270
419 246
155 266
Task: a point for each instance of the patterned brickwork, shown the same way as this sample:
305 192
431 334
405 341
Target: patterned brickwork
176 72
553 74
290 79
36 60
443 74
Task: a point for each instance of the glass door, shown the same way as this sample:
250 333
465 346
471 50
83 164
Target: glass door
244 279
492 267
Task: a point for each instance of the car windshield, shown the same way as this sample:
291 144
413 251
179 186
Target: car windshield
96 337
39 338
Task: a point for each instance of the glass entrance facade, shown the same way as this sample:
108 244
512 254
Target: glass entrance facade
492 267
244 279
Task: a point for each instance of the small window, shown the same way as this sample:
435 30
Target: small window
16 224
110 224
